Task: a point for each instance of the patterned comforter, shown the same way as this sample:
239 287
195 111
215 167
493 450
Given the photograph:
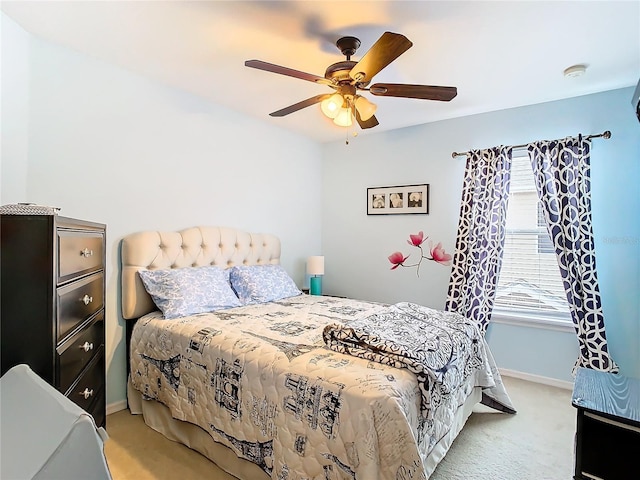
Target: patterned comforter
261 380
441 348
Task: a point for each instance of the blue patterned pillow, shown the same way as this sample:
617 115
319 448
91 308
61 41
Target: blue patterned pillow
262 283
180 292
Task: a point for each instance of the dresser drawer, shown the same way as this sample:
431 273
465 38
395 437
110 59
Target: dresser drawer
89 386
77 301
79 253
98 410
76 353
609 448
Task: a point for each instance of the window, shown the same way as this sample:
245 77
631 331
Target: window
529 287
544 240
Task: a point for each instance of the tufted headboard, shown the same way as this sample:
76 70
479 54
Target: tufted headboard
192 247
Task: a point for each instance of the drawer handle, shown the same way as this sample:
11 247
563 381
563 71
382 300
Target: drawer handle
87 393
86 253
87 346
87 299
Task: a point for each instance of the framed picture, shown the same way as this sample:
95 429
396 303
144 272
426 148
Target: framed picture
397 200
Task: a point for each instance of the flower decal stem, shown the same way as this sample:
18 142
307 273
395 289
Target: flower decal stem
437 254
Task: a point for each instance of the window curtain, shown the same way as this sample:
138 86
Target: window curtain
481 233
562 169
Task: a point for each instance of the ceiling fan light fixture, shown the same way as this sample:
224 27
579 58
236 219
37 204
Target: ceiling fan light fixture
348 77
365 108
343 119
331 106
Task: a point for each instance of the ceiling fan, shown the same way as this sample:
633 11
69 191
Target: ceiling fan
348 77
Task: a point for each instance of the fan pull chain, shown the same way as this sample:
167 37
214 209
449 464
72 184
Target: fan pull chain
346 137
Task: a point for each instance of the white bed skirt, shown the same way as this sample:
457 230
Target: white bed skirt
159 418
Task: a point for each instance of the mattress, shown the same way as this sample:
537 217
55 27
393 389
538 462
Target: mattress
260 380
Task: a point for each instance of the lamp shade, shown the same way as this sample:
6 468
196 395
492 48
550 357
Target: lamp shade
315 265
365 108
343 119
331 106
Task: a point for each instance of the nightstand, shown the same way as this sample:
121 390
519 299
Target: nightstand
608 426
306 292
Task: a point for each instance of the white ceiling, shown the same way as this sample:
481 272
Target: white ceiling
498 54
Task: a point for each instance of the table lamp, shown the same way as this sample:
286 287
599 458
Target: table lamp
315 267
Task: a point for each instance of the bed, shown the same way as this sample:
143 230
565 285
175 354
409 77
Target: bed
262 391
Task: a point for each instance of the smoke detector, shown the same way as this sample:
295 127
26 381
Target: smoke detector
575 70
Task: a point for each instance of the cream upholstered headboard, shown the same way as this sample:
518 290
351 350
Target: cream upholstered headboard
192 247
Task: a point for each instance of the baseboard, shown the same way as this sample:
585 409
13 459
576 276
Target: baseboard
554 382
116 406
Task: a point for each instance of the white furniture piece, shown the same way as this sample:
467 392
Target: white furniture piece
44 435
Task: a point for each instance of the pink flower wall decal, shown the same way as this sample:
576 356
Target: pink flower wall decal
437 253
416 240
397 259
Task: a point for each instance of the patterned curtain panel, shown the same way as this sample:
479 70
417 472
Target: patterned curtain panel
481 233
562 169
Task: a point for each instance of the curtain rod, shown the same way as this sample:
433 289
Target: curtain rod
606 134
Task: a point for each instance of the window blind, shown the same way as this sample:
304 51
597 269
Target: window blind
529 281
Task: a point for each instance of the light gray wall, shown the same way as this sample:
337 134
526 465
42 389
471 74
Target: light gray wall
15 75
356 246
109 146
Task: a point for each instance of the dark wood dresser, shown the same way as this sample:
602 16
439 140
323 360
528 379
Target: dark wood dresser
52 289
608 426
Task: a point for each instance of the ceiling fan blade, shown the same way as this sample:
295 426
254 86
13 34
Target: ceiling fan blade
386 49
425 92
364 124
270 67
300 105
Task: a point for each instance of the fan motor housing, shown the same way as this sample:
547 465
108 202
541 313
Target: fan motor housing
338 73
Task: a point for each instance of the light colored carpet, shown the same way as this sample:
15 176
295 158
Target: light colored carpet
534 444
537 443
